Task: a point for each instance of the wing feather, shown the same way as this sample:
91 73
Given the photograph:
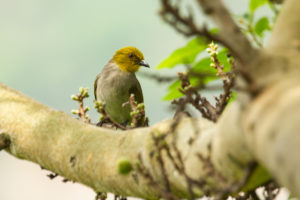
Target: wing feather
95 85
137 91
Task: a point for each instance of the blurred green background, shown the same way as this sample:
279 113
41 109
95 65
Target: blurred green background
50 48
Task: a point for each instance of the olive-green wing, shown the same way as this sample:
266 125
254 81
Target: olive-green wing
137 91
95 86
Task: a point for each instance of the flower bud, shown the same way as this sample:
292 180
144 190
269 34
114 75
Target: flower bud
74 97
101 118
75 112
141 106
81 90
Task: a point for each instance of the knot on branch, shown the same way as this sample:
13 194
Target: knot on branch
4 141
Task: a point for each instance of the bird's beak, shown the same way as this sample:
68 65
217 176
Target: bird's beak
143 63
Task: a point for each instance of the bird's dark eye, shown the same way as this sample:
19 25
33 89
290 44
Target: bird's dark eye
130 55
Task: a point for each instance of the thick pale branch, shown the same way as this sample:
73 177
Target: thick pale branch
286 32
89 155
272 130
281 57
234 39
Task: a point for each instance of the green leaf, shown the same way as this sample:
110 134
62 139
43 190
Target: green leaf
232 98
262 25
254 4
173 89
259 176
222 57
214 30
201 67
184 55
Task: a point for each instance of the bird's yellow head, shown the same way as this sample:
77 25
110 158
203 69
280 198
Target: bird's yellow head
129 59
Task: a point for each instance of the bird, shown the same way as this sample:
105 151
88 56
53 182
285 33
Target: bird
117 81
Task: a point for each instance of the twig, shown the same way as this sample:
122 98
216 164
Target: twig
143 171
159 143
179 166
81 112
52 175
185 25
247 26
138 113
193 97
227 79
100 107
239 185
159 78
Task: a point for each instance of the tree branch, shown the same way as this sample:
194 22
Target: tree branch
272 129
90 155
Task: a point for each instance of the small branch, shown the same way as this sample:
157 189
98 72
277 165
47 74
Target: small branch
227 79
4 141
144 172
234 39
193 97
179 166
239 185
277 1
254 37
186 25
230 35
159 144
168 78
247 26
159 78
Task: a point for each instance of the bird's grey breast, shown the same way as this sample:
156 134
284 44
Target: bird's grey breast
114 85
